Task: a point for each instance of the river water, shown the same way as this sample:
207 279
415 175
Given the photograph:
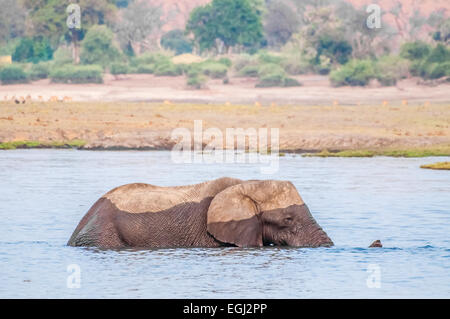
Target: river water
44 194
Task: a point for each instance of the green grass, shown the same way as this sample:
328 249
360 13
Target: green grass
445 151
35 144
440 166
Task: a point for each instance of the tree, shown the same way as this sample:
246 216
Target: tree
33 50
48 18
138 22
280 22
12 20
226 22
176 40
98 47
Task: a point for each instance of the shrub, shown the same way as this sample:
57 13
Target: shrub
354 73
265 57
62 56
214 69
415 50
225 61
77 74
244 60
119 68
39 71
98 47
196 81
145 69
294 65
151 58
439 54
249 70
389 69
33 50
13 74
269 68
168 69
288 82
272 79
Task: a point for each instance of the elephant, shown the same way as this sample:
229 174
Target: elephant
220 212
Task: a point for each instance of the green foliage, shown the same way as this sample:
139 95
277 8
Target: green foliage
33 50
225 61
271 74
77 74
62 56
99 48
389 69
439 54
196 81
39 71
214 69
13 74
176 41
150 58
249 70
168 69
415 50
119 68
145 68
234 22
338 51
354 73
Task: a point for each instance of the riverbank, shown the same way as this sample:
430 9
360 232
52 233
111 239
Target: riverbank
392 130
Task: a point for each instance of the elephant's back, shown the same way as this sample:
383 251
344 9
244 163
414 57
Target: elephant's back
139 198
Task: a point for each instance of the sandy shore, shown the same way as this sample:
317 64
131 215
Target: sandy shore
123 125
316 90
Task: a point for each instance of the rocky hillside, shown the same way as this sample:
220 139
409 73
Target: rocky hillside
398 13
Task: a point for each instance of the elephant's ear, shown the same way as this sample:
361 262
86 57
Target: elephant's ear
233 215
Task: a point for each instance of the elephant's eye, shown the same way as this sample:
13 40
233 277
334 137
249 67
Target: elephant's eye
288 220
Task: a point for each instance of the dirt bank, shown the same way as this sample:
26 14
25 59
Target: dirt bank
302 128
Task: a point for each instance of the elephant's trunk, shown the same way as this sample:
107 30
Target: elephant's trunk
313 236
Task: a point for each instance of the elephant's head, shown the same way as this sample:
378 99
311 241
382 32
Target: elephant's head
258 213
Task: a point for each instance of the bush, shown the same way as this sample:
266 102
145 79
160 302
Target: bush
145 69
77 74
415 50
196 81
151 58
33 50
98 47
276 78
62 56
294 65
243 61
225 61
39 71
214 69
13 74
168 69
389 69
265 57
269 68
119 68
249 70
439 54
354 73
